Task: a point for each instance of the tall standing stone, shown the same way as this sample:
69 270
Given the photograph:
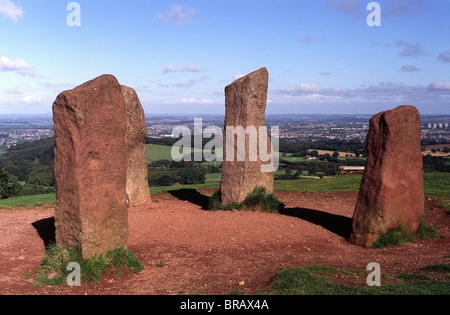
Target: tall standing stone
90 170
136 132
392 192
245 101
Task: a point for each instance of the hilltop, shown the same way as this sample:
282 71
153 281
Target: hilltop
187 250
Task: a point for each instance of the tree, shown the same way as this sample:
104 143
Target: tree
335 154
288 170
9 185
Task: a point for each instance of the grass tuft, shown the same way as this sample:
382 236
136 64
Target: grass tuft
307 281
394 237
53 270
426 232
444 268
257 200
400 235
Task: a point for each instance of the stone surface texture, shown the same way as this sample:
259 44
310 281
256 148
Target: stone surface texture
136 132
392 191
90 170
245 101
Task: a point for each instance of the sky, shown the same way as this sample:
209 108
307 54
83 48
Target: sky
323 57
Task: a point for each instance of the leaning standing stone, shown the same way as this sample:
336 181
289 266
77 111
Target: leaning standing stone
247 147
90 169
136 158
392 192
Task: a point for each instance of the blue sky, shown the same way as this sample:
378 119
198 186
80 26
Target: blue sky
322 56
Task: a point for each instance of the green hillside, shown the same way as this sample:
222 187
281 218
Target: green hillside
156 152
437 185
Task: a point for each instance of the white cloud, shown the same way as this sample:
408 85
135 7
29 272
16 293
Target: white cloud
402 7
307 40
238 76
409 50
383 92
206 101
10 11
440 86
189 68
189 83
178 14
353 7
303 88
444 57
410 68
17 65
18 99
30 99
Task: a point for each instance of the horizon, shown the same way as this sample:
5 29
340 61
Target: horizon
200 115
323 57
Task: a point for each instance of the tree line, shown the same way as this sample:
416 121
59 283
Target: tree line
27 168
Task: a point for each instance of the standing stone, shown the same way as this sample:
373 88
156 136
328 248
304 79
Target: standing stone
90 170
245 101
136 131
392 192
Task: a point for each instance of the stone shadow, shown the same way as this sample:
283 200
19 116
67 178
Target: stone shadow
334 223
192 196
46 230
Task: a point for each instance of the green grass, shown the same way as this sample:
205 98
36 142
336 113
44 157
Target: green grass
399 236
426 232
212 182
316 280
258 199
292 159
2 152
57 258
444 268
394 237
23 201
437 185
156 152
327 184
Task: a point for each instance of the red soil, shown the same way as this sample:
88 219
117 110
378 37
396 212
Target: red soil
187 250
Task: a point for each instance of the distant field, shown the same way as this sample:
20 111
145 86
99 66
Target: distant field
212 182
341 154
23 201
2 152
156 152
441 147
327 184
436 185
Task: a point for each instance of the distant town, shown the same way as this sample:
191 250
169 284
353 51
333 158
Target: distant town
16 129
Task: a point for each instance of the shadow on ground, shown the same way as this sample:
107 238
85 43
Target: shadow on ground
192 196
46 230
334 223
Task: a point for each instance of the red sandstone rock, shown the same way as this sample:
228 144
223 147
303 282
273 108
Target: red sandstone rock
245 101
90 169
136 131
392 191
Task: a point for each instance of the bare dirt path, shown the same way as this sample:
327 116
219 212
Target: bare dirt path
187 250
